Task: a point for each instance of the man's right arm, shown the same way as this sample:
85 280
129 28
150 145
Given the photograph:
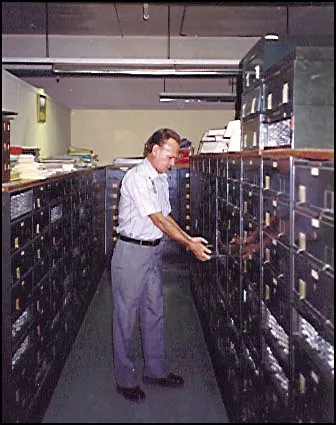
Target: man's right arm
194 244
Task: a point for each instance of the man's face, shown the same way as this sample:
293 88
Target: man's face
163 157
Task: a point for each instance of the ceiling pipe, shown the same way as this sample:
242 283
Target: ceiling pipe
181 33
47 30
168 35
118 20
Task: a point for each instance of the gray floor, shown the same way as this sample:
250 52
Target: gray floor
86 390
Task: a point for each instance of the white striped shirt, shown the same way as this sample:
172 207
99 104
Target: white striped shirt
143 191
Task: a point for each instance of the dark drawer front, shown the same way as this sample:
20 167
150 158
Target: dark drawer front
314 185
314 236
21 295
313 288
21 233
253 133
21 262
251 102
278 92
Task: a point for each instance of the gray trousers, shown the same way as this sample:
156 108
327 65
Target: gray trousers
136 273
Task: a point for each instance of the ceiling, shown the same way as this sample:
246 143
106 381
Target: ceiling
154 20
188 19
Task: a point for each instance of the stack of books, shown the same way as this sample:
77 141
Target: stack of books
29 169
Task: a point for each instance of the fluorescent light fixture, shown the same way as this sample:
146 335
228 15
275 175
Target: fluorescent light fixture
197 97
141 71
145 69
27 67
132 67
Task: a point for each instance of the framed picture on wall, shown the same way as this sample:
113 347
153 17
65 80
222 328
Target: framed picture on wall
41 108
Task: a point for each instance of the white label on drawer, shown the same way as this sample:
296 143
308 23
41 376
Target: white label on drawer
257 71
302 193
314 171
302 241
315 222
22 223
267 182
302 384
314 274
314 376
274 242
274 203
253 105
302 288
37 228
274 164
267 218
269 101
254 143
285 90
38 203
187 175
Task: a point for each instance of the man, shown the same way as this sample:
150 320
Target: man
144 216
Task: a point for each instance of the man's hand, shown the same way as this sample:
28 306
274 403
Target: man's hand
198 247
249 251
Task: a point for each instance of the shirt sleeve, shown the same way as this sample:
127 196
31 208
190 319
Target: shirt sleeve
143 193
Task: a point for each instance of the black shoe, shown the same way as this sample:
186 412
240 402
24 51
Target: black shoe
172 381
133 393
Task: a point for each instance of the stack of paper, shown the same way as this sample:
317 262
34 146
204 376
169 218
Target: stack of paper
214 141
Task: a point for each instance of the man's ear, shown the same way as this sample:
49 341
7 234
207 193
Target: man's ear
155 149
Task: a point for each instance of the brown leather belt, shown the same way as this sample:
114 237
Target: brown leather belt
140 242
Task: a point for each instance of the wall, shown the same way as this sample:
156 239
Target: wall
53 136
123 133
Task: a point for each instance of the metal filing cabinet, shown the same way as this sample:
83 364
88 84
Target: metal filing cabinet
53 259
280 80
268 313
299 99
257 60
313 289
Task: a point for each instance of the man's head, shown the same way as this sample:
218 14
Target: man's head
162 149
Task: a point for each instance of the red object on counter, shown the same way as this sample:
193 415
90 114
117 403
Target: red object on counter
183 156
16 150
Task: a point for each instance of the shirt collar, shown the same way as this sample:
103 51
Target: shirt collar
152 172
